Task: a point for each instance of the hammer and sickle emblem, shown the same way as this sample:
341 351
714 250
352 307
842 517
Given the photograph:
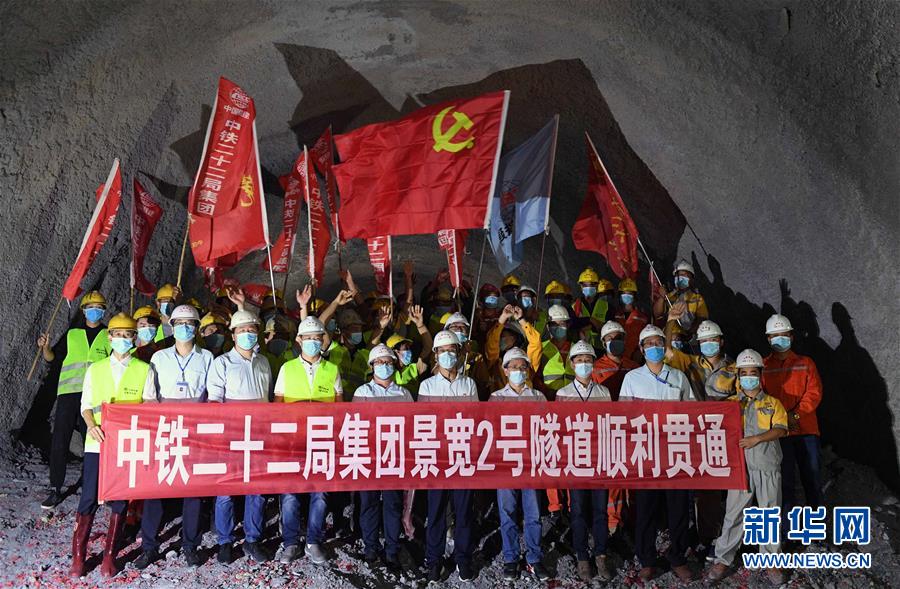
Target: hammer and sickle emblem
246 194
443 139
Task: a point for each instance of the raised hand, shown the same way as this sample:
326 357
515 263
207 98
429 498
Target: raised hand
304 296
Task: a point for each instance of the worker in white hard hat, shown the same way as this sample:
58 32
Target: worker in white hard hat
555 370
765 422
712 373
512 330
448 385
181 372
241 375
610 368
654 381
516 367
794 380
588 506
685 292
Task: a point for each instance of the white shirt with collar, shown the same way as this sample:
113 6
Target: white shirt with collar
439 388
181 378
641 384
507 393
575 391
311 368
372 391
235 378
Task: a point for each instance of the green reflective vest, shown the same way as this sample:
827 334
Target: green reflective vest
79 356
354 371
296 383
408 377
104 390
556 372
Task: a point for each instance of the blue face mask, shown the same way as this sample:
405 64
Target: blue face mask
166 308
406 357
332 325
246 340
94 315
679 344
214 340
682 282
589 291
558 331
462 336
615 347
491 301
584 369
184 333
627 298
780 343
517 377
527 302
709 349
145 334
551 302
749 383
311 347
355 338
655 353
121 344
384 371
447 360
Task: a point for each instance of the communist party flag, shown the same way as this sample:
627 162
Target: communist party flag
226 204
294 190
451 240
323 157
109 195
145 213
604 225
380 257
430 170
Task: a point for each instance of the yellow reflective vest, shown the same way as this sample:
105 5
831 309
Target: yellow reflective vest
104 390
296 383
79 356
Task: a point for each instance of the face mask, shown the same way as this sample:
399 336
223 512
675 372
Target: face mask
384 371
589 291
277 346
584 369
184 333
749 383
332 325
678 344
246 340
94 315
406 357
780 343
166 308
214 340
655 354
615 347
551 302
558 331
462 336
682 282
627 298
311 347
709 349
517 377
145 334
447 360
527 302
356 338
491 301
121 344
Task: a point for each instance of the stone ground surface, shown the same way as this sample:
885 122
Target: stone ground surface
35 545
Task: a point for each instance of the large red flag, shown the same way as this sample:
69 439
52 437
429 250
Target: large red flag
226 204
294 189
604 225
319 237
451 241
145 213
323 157
109 195
433 169
380 256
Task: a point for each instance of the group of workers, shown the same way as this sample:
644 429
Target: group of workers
596 345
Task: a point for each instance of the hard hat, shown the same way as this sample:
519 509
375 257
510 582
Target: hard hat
558 313
381 351
122 321
93 298
605 285
487 289
748 359
627 285
454 319
683 266
589 275
611 327
397 339
708 329
243 318
311 326
348 318
184 312
166 291
526 288
444 338
195 303
446 316
650 331
511 280
582 347
146 311
212 319
557 287
514 354
778 324
317 306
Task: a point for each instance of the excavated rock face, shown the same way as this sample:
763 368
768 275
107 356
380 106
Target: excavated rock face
758 140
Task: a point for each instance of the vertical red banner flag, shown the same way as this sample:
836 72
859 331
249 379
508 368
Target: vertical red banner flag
319 236
145 214
323 157
109 195
604 225
451 240
380 256
294 189
226 204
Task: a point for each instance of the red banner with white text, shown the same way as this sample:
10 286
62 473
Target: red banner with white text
205 449
145 213
452 241
380 257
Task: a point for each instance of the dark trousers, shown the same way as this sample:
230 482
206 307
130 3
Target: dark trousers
648 504
67 418
710 513
802 451
436 526
381 507
90 472
190 522
589 506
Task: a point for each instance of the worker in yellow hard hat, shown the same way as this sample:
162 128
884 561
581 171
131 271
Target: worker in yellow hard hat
509 288
594 300
166 298
629 316
213 329
148 322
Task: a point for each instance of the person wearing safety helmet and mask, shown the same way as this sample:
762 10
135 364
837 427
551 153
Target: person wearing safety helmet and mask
555 371
611 367
79 349
528 300
630 317
409 368
350 353
582 501
118 378
166 298
516 367
685 292
276 345
512 330
794 380
595 297
488 310
509 289
148 321
213 329
654 381
448 385
556 293
240 375
441 305
764 422
181 372
381 508
309 378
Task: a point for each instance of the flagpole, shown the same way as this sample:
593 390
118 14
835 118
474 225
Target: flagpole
184 242
652 269
541 265
477 285
49 327
549 193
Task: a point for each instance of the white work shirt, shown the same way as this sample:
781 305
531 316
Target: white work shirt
575 391
311 369
439 388
181 378
372 391
642 385
508 394
235 378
